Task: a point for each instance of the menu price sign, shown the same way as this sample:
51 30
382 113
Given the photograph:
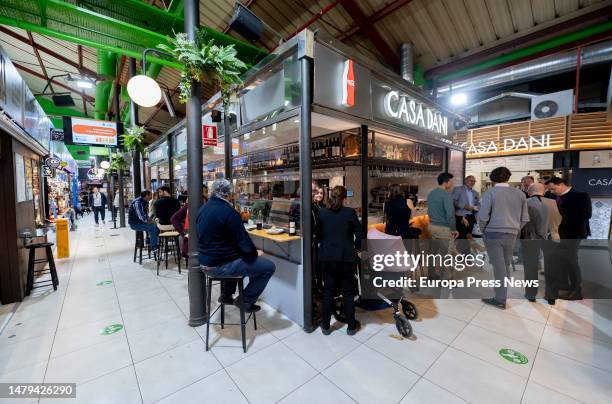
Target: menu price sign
90 132
209 135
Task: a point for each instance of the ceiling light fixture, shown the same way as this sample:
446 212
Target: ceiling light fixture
142 89
458 99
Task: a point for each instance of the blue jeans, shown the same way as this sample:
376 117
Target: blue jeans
149 228
259 271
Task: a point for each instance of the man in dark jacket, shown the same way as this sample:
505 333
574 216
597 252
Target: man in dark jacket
138 217
575 208
225 247
97 201
165 207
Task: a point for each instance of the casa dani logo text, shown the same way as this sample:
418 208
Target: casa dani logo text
410 111
348 84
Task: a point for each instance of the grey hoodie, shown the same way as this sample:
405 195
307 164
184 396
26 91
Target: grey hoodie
503 210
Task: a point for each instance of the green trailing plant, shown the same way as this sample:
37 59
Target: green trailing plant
205 62
118 162
133 139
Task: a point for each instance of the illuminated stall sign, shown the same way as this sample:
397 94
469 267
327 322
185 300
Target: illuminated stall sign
412 112
522 144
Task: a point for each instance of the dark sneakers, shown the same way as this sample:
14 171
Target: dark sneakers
326 331
248 308
571 296
353 331
492 302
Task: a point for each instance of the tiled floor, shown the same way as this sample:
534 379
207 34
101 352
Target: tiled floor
453 357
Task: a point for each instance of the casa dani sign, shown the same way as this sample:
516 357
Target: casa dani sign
410 111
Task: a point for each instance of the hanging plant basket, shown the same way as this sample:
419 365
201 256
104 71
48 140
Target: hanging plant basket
133 139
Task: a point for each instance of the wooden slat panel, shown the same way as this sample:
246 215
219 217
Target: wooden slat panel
590 131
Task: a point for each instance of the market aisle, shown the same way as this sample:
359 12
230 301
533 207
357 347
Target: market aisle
120 332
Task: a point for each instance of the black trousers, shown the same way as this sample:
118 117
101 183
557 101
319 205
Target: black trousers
555 274
531 256
463 245
569 253
342 275
99 210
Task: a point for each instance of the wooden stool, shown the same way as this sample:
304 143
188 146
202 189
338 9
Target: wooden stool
164 240
243 321
140 244
32 261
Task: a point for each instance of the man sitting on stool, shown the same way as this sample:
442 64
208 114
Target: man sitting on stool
138 217
225 247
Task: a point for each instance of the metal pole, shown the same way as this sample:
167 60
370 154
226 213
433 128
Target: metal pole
227 143
196 286
170 140
120 173
112 189
577 91
134 122
305 186
364 179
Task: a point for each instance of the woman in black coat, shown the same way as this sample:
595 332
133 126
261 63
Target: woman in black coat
397 214
339 241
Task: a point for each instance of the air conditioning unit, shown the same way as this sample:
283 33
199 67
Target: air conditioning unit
554 104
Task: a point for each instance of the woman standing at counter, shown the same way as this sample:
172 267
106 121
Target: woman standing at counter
397 213
340 238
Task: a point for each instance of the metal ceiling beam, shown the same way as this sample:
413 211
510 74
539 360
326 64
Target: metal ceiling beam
48 51
57 83
574 24
315 17
40 61
80 55
388 54
371 20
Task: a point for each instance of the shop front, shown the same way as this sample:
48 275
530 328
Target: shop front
159 165
575 147
316 113
24 144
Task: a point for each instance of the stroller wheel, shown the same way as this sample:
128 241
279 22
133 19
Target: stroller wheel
409 309
403 326
339 310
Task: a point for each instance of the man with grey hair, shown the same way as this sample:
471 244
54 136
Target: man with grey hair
226 249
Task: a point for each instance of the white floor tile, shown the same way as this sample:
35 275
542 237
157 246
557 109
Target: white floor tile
144 299
517 328
320 350
572 378
461 309
417 353
117 387
437 326
148 316
486 345
277 323
89 363
475 380
425 392
381 379
160 338
582 319
173 370
538 394
25 353
278 364
217 388
321 388
18 330
523 308
83 336
575 346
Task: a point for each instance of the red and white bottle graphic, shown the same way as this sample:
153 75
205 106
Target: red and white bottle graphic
348 84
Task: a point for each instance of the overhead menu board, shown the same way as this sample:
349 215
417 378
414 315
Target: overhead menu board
514 163
82 131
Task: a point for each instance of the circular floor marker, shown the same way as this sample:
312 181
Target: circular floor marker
513 356
102 283
111 329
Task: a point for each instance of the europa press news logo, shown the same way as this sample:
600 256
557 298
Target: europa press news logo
348 84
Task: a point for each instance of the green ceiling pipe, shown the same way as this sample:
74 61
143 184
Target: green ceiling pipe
107 70
530 50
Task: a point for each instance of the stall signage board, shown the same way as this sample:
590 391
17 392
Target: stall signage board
525 144
94 132
209 135
57 134
594 181
513 163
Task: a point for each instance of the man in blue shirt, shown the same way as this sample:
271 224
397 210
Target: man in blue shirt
138 217
225 248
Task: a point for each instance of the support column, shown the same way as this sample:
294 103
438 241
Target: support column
117 102
364 179
137 174
227 143
305 186
196 286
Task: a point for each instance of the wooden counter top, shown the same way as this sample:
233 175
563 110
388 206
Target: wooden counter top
279 238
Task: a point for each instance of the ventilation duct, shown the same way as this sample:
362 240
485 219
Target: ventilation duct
407 62
541 67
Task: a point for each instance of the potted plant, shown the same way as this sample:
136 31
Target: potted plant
205 61
133 139
117 163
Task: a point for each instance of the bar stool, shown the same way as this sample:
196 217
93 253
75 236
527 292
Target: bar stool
32 260
140 244
165 239
243 322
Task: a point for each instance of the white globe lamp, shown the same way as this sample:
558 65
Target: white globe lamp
144 91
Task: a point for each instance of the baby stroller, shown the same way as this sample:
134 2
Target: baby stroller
409 310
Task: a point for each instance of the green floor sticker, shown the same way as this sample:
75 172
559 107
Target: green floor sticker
513 356
111 329
104 283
